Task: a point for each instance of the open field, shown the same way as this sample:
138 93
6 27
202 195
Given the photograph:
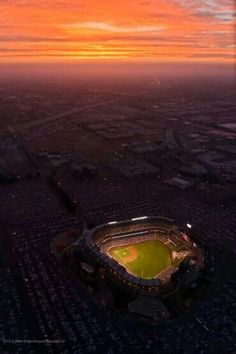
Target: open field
144 260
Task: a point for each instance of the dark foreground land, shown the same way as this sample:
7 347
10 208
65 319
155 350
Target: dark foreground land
115 152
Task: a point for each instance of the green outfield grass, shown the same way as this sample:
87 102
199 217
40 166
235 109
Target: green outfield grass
144 260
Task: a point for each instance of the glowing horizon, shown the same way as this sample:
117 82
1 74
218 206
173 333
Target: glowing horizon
91 30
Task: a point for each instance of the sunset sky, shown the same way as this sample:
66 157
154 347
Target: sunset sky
154 30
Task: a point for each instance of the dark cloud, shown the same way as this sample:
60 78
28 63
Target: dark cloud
99 38
222 16
191 41
212 55
56 4
204 13
22 38
211 9
226 16
161 15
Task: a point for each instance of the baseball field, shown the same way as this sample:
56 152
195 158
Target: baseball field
145 259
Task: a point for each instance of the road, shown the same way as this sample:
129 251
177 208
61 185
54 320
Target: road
70 112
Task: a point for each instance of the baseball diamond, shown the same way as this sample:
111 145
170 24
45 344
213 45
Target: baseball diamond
144 260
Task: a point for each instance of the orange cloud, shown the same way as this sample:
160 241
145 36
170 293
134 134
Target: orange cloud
60 30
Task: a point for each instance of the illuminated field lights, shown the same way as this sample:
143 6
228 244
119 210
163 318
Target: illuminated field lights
140 218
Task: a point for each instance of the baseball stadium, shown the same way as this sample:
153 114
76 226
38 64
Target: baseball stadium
143 252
